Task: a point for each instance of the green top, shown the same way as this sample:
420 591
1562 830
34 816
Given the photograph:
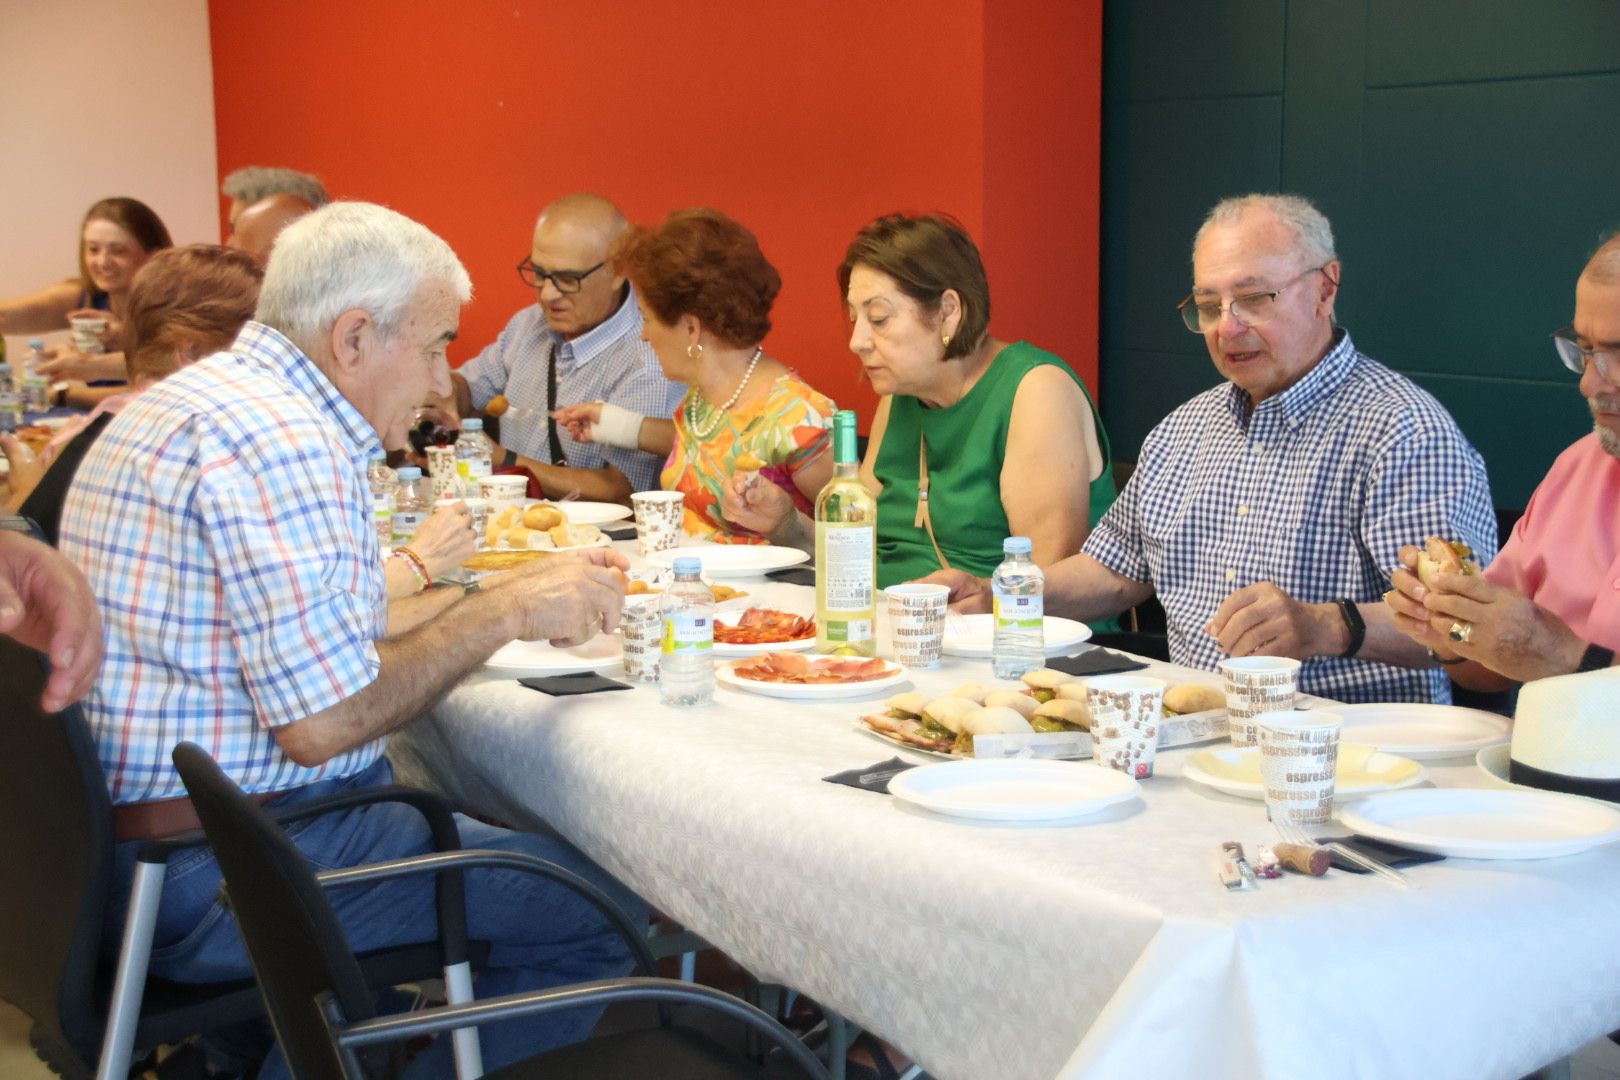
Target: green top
967 444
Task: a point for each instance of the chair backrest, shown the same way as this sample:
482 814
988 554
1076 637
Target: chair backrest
293 937
56 847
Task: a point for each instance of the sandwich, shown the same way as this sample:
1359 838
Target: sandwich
1061 714
1444 557
542 517
1012 699
1043 682
987 721
973 691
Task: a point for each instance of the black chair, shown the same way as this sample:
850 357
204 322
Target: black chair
87 1013
325 1020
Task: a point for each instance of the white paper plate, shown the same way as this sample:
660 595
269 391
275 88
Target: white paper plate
723 649
734 560
1474 823
971 636
1422 732
725 676
585 513
600 541
1194 768
1013 790
537 658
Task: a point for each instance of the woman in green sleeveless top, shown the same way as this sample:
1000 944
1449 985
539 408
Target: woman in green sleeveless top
1007 437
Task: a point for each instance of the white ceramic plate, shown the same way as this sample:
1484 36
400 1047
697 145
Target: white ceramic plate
585 513
1422 732
1474 823
600 541
1016 790
734 560
971 636
517 658
1380 776
728 678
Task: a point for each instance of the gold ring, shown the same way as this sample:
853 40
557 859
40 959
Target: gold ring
1461 631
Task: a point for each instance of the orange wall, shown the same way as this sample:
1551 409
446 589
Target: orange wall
803 121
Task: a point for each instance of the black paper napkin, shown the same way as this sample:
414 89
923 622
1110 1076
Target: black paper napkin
872 777
795 575
586 682
1095 661
623 531
1385 852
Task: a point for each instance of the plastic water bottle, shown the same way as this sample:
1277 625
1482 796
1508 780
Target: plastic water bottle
475 456
11 409
35 388
1015 589
411 506
686 660
384 483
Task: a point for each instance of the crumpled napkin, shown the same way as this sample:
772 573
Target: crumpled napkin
872 777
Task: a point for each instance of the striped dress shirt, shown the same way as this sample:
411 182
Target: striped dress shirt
607 363
1315 491
223 521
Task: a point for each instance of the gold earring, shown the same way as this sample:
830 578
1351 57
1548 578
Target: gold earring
945 340
694 351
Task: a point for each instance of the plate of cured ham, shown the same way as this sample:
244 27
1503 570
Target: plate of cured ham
820 678
764 630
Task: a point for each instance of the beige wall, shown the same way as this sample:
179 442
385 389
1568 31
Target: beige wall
134 117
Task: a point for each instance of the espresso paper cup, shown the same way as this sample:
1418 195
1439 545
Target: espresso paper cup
1299 756
1255 685
1130 741
917 623
87 331
658 519
503 491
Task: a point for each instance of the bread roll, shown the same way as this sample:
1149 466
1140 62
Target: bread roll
995 720
973 691
1443 557
1012 699
947 712
906 705
1046 681
1073 691
516 537
543 516
1191 698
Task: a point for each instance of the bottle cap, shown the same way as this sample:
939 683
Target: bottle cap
1017 545
36 343
472 423
408 473
381 455
688 564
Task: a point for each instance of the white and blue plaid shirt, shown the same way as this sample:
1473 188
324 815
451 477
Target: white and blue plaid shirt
610 362
223 521
1315 491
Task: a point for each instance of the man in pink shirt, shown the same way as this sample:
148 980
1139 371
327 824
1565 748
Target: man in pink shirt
1549 604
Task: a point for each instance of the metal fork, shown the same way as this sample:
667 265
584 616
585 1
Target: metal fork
1295 834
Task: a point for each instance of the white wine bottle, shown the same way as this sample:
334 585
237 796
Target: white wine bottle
846 552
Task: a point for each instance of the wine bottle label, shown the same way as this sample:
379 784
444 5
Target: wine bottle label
1024 612
688 633
847 568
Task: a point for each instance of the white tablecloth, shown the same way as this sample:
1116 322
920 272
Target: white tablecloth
1098 950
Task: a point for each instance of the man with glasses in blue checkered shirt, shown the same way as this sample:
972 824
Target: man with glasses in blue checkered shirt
1267 513
580 342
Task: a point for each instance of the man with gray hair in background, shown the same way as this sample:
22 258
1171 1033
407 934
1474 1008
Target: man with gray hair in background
249 185
224 523
1267 513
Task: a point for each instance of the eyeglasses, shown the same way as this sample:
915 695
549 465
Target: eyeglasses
1251 309
1575 356
566 281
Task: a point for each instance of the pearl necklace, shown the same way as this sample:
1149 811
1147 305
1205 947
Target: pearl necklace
714 418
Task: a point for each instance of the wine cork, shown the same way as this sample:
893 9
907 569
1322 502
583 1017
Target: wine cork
1303 858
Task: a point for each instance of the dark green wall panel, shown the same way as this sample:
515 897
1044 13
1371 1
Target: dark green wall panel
1435 41
1465 151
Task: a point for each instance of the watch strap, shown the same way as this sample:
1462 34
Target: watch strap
1354 623
1596 658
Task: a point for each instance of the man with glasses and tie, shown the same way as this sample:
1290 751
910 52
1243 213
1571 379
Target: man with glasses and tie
580 342
1267 513
1549 604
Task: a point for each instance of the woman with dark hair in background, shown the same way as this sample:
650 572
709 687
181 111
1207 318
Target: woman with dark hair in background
705 291
1006 436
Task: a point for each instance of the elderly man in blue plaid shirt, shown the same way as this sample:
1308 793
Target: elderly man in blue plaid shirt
580 342
1268 513
223 522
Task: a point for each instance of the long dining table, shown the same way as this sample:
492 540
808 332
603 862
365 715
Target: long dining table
1004 951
